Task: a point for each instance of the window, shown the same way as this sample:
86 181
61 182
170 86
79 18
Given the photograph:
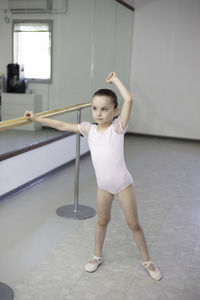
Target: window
32 48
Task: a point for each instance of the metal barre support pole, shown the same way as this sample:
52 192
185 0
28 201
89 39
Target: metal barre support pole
6 293
76 211
76 185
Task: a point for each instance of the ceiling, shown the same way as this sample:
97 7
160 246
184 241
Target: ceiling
137 4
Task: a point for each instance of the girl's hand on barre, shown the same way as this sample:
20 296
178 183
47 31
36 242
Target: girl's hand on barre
111 77
30 116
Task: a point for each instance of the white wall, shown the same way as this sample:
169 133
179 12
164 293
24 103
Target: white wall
112 43
165 72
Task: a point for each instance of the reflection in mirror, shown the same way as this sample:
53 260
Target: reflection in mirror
17 138
83 54
13 139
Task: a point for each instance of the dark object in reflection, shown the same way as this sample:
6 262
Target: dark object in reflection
15 79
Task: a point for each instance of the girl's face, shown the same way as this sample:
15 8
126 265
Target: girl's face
103 110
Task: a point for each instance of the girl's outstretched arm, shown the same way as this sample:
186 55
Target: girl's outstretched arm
126 108
60 125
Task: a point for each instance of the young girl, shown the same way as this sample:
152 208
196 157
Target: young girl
106 143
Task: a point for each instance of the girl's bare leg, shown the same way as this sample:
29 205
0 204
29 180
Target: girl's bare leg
127 200
104 205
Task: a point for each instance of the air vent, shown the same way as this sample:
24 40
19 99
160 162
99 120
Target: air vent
37 6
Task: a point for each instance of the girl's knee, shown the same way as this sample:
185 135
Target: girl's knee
103 221
134 226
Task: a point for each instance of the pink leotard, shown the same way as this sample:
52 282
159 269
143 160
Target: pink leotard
107 152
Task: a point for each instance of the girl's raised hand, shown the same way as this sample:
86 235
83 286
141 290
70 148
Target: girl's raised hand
111 77
29 115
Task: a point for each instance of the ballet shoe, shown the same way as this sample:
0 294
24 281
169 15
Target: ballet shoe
92 267
155 274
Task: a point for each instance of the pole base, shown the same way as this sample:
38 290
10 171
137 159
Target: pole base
83 212
6 292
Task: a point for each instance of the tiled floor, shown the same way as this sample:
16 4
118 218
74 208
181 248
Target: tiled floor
43 255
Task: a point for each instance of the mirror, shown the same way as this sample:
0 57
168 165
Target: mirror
83 54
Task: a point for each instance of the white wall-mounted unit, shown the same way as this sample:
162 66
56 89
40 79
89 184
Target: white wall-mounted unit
37 6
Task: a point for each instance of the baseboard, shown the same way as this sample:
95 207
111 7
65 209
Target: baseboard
163 137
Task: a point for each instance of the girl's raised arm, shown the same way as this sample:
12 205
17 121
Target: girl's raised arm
60 125
127 105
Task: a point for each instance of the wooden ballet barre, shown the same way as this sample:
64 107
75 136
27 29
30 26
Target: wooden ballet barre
50 113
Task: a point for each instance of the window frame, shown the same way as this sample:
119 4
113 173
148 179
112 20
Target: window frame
50 23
